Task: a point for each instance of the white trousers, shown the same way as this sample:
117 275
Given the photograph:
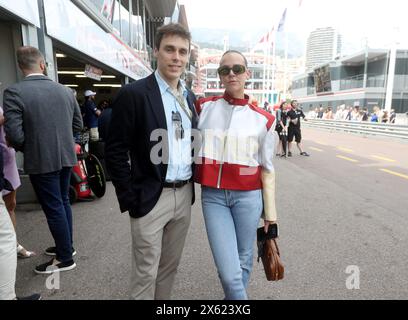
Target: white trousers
94 134
8 255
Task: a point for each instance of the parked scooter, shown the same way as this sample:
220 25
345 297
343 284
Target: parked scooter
88 177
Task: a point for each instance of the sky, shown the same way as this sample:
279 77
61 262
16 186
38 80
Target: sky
357 20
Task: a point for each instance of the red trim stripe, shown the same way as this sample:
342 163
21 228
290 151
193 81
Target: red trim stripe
271 118
233 177
199 103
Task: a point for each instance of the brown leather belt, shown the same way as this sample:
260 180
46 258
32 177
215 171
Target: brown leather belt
176 184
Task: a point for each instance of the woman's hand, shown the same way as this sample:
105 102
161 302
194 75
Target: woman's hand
266 225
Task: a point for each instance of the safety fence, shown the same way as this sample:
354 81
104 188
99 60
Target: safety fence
363 128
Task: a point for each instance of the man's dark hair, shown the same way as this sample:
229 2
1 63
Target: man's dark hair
29 57
293 102
172 29
235 51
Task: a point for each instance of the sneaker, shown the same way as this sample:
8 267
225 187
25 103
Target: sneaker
35 296
283 155
305 154
54 266
52 251
289 154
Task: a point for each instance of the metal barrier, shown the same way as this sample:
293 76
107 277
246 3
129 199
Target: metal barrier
367 128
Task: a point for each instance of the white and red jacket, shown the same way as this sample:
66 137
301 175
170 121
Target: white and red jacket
238 145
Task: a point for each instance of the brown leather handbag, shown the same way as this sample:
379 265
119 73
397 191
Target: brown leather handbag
268 252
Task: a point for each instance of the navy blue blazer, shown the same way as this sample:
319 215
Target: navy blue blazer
136 112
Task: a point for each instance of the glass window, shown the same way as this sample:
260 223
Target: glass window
105 7
116 18
212 73
120 22
124 19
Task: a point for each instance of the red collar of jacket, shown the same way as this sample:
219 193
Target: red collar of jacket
236 102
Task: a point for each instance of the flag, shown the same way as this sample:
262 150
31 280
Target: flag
267 37
282 21
263 39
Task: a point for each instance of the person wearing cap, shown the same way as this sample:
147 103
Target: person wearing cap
152 122
91 115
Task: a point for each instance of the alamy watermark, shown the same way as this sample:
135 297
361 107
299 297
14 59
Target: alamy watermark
53 281
211 144
353 280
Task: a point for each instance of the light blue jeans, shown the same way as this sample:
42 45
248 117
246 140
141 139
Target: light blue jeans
231 219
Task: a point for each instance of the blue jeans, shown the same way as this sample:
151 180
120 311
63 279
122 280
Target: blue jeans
231 219
52 190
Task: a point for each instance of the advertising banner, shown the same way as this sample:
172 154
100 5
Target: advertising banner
25 9
68 24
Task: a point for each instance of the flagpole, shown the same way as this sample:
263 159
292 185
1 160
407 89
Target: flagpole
274 68
264 73
271 63
285 83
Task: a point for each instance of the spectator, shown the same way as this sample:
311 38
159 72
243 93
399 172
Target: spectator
294 130
41 118
384 118
339 115
355 114
12 175
312 114
329 114
91 115
158 194
320 113
364 115
393 116
233 203
104 121
375 115
348 113
8 248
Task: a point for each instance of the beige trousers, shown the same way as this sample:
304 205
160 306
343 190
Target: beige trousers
8 255
157 244
94 134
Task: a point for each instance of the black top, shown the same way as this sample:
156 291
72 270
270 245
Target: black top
284 118
103 123
293 115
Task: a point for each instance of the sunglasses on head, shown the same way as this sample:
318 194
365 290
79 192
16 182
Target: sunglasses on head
236 69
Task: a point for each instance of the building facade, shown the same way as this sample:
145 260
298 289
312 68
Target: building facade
323 45
359 79
96 45
269 81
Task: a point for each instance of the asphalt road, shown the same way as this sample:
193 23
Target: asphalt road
344 206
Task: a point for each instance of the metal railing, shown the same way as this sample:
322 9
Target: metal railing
364 128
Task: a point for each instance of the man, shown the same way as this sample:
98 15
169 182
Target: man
294 115
91 115
104 121
158 194
41 118
393 116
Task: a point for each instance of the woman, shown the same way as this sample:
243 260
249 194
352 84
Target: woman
11 174
236 173
282 128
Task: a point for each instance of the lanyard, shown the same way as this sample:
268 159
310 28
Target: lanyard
180 99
